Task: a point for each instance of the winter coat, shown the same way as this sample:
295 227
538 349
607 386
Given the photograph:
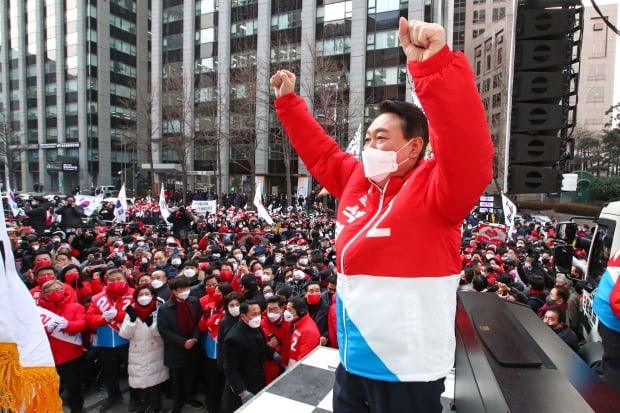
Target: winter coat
66 344
146 353
423 210
107 332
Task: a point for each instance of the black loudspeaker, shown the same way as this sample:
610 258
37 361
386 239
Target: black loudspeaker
537 117
545 87
534 149
531 179
544 23
541 54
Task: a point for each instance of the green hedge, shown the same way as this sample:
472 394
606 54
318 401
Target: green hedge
605 187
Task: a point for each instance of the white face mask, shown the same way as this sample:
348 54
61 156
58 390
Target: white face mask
288 316
183 295
157 284
379 164
489 256
303 261
277 259
175 261
189 273
228 248
238 257
273 317
268 295
234 311
144 260
266 278
254 322
299 275
258 273
262 259
145 300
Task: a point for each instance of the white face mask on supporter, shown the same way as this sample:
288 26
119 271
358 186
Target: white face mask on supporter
157 284
145 300
379 164
288 316
183 295
273 317
234 311
189 273
254 322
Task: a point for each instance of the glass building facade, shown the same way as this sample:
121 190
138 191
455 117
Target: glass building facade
179 89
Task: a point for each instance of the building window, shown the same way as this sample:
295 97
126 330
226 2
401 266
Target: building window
477 32
497 100
479 16
499 13
488 62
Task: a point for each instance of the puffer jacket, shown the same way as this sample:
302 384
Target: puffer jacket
146 353
416 218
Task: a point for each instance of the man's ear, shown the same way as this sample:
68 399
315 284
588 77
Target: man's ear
416 147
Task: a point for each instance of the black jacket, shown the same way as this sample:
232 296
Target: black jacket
71 216
175 354
319 315
38 218
245 352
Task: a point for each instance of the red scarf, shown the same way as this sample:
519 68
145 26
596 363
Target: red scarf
144 311
185 317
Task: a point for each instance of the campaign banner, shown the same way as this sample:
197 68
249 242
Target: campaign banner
204 207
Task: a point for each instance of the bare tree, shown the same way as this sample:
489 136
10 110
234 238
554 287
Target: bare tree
9 149
586 148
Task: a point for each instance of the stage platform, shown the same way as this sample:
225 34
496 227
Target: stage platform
307 387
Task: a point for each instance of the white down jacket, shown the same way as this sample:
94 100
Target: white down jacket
146 353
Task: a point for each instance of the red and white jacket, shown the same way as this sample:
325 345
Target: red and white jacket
400 244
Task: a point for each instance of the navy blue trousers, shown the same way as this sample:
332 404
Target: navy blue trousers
355 394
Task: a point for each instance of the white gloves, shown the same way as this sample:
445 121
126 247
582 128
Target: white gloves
51 326
110 314
62 324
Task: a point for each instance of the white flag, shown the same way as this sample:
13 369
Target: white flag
120 208
355 143
29 382
11 200
262 212
510 209
163 206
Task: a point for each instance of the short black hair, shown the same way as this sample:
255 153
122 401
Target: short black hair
276 299
537 282
178 282
560 312
244 306
300 305
414 120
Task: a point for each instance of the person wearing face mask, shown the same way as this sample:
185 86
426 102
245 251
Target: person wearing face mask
249 288
43 273
146 369
160 284
177 321
37 214
64 320
105 315
394 197
318 309
305 334
70 275
275 329
557 297
245 352
555 317
189 270
210 326
232 301
298 282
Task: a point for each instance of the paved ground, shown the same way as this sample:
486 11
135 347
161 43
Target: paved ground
93 398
